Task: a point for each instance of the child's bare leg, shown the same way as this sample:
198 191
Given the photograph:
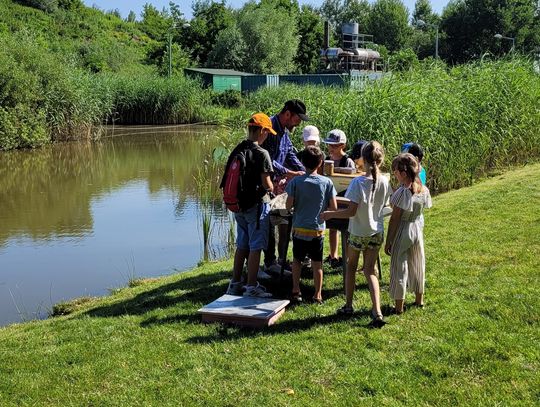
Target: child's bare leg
317 279
296 270
350 278
333 243
254 259
399 306
370 258
240 256
419 299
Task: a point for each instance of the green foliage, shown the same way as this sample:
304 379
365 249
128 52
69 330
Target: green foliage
271 35
209 19
470 119
154 100
470 27
311 32
403 60
230 50
388 23
230 98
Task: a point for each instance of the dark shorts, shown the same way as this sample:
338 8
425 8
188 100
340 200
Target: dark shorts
311 248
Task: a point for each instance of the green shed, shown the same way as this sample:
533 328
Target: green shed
219 80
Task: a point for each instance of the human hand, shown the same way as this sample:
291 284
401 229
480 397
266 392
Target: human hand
326 215
292 174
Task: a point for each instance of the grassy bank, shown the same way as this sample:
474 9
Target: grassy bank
476 342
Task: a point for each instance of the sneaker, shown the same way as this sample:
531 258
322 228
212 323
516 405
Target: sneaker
256 291
235 288
262 275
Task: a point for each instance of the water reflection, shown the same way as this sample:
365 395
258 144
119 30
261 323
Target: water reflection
78 218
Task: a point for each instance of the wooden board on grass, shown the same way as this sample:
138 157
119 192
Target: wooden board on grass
244 311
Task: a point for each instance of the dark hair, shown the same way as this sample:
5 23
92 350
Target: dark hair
373 156
296 106
415 149
312 157
407 163
356 151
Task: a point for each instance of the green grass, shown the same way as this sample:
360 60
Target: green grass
475 343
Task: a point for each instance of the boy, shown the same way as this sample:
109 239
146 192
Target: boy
252 221
310 194
336 142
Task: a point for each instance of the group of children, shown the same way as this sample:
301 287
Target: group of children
312 197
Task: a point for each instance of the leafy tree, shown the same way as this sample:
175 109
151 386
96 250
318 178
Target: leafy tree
470 27
230 50
45 5
131 17
209 19
311 32
272 38
425 23
155 23
338 12
403 60
388 22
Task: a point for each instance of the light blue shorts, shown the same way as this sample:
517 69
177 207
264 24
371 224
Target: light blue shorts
247 234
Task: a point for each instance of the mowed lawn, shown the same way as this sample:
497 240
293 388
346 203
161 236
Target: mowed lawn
477 342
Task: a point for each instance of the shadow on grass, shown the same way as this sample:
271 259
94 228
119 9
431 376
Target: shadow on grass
232 332
198 288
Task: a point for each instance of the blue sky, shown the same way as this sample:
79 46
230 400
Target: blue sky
185 5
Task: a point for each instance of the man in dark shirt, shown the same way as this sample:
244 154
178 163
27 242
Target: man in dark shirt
286 165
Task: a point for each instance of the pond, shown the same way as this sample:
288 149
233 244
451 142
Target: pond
78 219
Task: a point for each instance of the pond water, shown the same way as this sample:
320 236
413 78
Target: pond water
77 219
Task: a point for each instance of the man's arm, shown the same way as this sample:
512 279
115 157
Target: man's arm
289 203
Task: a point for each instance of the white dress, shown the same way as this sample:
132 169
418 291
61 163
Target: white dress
408 263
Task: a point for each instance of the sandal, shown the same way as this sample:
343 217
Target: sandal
345 310
318 301
377 321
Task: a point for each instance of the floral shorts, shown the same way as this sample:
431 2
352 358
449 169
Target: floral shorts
373 242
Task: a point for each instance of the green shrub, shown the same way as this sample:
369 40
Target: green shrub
229 98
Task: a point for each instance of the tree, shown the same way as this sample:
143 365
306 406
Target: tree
388 22
209 19
424 24
155 23
424 12
470 27
131 17
230 50
338 12
272 38
311 32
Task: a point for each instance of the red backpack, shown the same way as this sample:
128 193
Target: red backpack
238 194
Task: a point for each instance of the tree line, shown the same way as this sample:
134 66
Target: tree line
280 36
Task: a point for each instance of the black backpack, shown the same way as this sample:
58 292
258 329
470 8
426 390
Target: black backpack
239 192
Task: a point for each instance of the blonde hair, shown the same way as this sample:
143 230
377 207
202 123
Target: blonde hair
373 156
407 163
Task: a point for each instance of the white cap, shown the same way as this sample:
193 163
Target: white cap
335 136
311 133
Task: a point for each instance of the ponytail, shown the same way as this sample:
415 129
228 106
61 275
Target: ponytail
373 156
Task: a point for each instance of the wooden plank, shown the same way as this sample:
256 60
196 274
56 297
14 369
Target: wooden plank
244 311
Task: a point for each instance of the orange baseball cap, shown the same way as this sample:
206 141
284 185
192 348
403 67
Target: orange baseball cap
262 120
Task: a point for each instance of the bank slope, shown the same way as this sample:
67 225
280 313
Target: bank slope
476 342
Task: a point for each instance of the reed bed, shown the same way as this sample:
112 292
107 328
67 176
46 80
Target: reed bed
471 119
154 100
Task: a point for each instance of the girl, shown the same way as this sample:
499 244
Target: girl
405 241
368 194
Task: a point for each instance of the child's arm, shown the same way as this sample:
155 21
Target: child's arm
267 182
348 212
289 203
395 218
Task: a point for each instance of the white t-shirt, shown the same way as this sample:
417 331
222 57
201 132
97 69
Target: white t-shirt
368 219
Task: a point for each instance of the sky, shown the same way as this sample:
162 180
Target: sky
185 5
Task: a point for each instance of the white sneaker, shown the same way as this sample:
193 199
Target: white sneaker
235 288
256 291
